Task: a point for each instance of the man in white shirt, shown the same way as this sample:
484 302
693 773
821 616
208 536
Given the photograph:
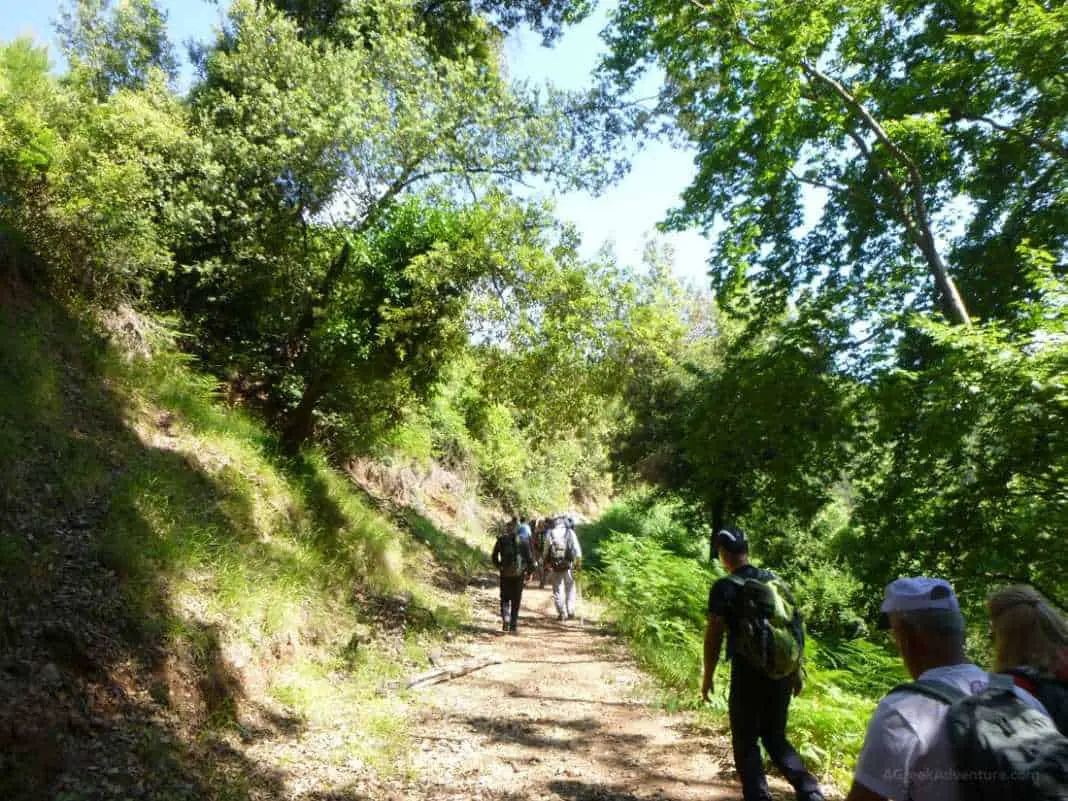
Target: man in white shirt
561 552
907 755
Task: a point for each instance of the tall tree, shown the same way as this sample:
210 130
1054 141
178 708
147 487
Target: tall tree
737 418
116 46
894 120
967 471
450 28
87 183
311 136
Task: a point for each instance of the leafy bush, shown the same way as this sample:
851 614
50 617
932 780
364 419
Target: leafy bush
828 597
811 558
658 600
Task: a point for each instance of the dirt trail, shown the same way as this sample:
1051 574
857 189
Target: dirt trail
561 717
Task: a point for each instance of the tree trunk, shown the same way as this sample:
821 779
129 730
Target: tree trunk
719 520
301 421
298 337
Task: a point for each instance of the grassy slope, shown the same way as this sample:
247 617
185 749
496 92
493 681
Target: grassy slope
175 592
659 598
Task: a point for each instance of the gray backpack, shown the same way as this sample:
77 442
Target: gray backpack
1003 749
561 556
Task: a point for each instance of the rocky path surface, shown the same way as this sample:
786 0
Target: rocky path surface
562 716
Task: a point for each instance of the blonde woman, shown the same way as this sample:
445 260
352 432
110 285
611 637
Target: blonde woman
1031 645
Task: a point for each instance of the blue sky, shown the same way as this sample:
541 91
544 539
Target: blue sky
624 216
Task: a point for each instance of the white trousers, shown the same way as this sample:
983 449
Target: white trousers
563 591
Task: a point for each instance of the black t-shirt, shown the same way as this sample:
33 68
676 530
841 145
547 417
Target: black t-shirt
724 594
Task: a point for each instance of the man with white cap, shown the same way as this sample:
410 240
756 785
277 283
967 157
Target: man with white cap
907 753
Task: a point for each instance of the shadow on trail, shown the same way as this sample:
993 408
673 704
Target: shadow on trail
527 732
336 795
605 660
591 791
584 791
556 699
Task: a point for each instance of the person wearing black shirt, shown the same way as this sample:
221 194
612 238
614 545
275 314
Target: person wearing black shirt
512 557
758 704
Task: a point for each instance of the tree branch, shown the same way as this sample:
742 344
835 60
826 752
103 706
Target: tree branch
895 187
1052 147
923 234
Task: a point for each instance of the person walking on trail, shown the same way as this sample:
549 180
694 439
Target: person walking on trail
946 736
765 641
537 542
512 557
561 555
524 529
1031 645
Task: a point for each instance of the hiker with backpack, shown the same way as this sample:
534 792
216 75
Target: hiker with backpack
512 557
524 529
765 642
562 554
956 733
1031 645
537 543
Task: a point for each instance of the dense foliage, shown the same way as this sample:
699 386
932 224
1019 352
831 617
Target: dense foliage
330 211
886 186
329 208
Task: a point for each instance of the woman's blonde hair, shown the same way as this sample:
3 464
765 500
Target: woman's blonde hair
1028 630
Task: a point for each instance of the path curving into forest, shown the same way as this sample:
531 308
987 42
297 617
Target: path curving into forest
564 715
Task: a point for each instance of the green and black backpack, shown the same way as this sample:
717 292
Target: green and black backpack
767 630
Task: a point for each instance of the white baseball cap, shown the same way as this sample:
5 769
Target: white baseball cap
910 594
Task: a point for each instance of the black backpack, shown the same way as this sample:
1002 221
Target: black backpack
1052 693
511 556
1003 749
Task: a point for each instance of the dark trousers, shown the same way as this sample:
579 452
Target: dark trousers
511 594
758 708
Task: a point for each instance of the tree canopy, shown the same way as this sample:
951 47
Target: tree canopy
333 215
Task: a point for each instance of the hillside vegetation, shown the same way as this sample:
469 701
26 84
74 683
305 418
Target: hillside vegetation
325 248
175 589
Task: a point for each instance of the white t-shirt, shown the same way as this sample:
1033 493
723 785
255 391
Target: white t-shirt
907 755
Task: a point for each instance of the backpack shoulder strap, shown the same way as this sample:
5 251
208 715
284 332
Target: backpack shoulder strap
942 691
999 681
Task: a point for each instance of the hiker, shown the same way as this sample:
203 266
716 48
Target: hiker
754 607
911 750
1031 645
537 542
561 555
524 530
512 557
